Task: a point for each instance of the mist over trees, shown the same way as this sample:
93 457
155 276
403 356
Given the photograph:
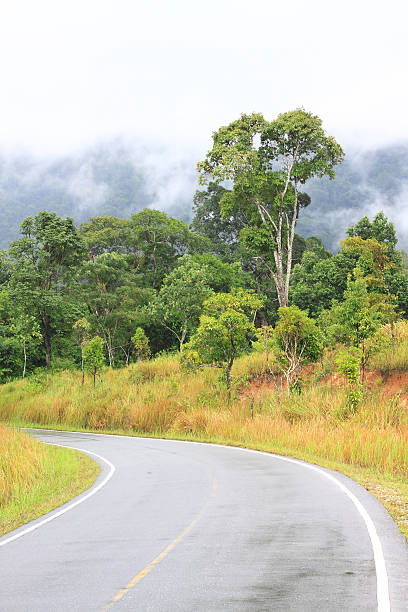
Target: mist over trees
113 179
365 183
120 179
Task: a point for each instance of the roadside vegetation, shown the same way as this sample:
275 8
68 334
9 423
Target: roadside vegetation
257 336
36 478
164 398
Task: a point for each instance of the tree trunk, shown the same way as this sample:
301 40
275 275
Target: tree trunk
183 337
228 375
46 334
82 365
110 349
25 358
282 297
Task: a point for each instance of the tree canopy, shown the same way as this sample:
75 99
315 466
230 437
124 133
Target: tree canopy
267 163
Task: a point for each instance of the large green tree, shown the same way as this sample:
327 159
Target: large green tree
222 231
110 289
267 163
157 241
178 304
44 262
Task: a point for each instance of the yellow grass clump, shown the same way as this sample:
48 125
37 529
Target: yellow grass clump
35 478
21 461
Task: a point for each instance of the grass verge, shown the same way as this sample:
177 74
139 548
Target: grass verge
36 478
160 399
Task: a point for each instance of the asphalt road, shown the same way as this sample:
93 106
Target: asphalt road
193 527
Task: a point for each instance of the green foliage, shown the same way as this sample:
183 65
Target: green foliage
266 179
224 332
178 304
156 241
222 232
319 278
348 363
44 262
105 234
298 342
94 356
111 290
358 316
355 321
380 229
222 276
140 343
27 331
82 329
245 302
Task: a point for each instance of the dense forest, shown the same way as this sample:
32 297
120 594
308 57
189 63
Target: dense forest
125 288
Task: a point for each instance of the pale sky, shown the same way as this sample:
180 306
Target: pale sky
77 72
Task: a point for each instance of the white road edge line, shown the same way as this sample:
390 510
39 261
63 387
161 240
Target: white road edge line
383 596
58 513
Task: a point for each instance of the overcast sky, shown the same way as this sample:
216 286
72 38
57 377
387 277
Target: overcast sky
77 72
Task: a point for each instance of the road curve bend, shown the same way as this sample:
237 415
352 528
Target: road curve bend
174 526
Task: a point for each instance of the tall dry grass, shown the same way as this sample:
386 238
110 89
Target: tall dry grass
35 478
160 398
393 354
21 463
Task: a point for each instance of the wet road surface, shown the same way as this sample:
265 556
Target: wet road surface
226 529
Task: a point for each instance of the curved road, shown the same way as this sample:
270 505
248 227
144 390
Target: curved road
193 527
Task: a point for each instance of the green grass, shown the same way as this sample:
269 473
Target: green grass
36 478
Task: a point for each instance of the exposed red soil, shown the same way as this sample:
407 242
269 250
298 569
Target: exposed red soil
391 383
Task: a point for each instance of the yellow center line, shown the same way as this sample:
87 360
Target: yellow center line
163 554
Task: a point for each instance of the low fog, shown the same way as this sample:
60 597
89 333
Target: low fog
121 177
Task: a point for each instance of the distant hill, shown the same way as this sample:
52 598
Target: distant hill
107 180
365 184
118 179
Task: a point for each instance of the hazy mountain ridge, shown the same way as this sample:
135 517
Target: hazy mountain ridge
106 180
365 183
120 179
